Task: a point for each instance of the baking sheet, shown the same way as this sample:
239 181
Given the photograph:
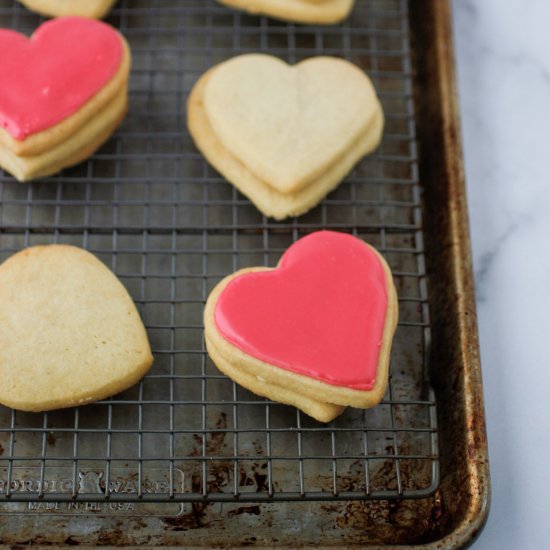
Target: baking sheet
187 449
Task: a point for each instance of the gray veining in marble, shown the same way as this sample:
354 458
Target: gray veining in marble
503 56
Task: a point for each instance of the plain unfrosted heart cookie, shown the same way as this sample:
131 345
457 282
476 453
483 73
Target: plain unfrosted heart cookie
284 135
323 12
69 332
58 8
315 332
64 91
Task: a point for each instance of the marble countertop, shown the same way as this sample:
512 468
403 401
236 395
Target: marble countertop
503 58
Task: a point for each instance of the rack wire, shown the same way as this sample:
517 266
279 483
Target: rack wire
170 227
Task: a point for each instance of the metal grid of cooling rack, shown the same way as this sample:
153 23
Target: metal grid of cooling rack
170 227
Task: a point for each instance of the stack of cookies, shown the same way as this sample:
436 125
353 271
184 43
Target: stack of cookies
314 332
66 94
284 135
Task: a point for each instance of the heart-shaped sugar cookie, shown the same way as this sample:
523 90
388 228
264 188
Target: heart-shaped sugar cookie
48 77
289 123
69 332
65 90
284 135
320 324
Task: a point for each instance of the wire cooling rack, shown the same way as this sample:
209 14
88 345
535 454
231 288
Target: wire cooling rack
170 227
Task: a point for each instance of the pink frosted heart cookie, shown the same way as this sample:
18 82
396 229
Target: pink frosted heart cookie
64 91
314 332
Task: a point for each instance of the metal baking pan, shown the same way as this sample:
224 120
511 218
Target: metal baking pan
187 457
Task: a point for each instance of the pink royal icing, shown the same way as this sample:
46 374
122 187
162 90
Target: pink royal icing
48 77
320 313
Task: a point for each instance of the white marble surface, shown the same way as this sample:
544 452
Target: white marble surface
503 57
